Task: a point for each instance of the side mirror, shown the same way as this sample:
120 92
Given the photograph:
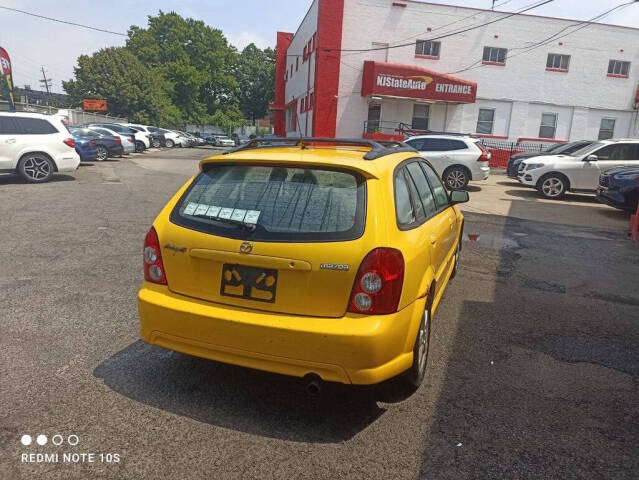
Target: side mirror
458 196
592 158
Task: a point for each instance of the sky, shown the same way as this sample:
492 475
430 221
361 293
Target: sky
33 43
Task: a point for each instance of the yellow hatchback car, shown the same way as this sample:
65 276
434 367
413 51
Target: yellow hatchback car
307 257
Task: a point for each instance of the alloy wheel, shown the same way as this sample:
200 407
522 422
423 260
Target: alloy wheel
456 179
552 187
37 168
422 342
102 154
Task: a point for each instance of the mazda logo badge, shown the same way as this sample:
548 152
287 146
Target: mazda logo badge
246 247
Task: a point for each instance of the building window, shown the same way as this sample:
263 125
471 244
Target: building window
311 100
548 125
427 48
494 56
304 54
557 62
485 121
607 128
420 116
297 63
303 105
373 121
618 68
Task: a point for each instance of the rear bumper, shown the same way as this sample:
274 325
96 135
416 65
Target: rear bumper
354 349
482 173
68 162
128 148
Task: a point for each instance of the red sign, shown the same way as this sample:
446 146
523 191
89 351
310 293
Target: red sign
409 81
5 62
94 105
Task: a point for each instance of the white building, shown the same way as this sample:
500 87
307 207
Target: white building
524 78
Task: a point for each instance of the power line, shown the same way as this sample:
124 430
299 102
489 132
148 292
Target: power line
546 41
446 35
63 21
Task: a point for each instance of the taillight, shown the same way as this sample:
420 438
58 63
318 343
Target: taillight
153 267
485 154
117 139
132 138
91 143
70 142
378 285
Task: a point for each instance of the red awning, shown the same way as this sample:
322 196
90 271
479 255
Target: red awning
409 81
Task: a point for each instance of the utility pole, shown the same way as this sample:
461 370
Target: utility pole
46 83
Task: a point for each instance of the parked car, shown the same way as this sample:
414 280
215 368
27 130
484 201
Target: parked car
140 140
458 159
106 145
171 138
223 141
619 188
554 175
565 148
86 148
35 146
239 139
297 245
127 141
157 137
144 137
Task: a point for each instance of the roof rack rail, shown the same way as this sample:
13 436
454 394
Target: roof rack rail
379 148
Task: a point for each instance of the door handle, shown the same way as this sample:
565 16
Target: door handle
433 239
11 140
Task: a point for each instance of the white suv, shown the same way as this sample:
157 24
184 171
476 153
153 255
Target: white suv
456 158
35 146
554 175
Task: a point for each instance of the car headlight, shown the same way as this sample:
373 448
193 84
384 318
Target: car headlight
532 166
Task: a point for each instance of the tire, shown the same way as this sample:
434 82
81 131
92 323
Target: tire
552 185
139 146
103 154
456 178
416 373
36 168
156 143
170 143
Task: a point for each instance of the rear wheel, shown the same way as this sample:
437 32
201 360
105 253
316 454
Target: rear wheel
415 374
552 185
456 178
36 168
103 153
156 143
170 143
139 146
456 260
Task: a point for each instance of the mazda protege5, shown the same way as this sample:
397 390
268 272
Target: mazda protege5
305 257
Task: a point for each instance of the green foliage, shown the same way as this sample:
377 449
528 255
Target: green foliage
255 73
176 71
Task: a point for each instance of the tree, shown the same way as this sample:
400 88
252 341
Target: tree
193 58
131 90
255 74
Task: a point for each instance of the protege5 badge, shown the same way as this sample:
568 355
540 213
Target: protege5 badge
334 266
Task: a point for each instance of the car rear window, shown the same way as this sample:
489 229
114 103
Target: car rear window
275 203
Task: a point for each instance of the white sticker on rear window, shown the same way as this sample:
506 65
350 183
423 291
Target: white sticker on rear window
251 217
238 214
225 213
190 208
213 211
201 209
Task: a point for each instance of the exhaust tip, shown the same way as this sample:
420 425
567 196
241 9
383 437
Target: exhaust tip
313 384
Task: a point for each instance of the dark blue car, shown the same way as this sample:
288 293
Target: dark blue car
86 148
619 188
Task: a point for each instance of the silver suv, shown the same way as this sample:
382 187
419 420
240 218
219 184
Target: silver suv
457 159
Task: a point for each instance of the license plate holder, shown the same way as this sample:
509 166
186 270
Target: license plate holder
250 283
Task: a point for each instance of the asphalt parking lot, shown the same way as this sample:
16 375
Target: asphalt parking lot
534 363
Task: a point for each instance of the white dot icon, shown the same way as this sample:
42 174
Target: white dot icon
42 439
26 440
